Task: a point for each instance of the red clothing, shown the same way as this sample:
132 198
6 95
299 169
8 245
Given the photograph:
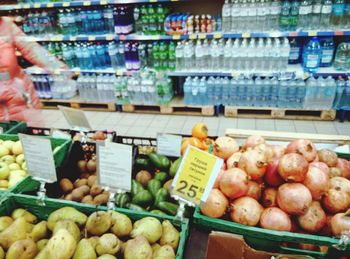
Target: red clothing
18 99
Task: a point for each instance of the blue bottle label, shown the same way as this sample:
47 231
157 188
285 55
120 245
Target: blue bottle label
312 61
327 56
338 9
294 53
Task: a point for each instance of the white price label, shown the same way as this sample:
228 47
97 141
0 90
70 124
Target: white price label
39 158
76 118
114 165
60 134
169 145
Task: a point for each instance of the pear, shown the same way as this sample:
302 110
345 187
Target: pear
2 253
170 235
148 227
24 249
94 241
138 248
85 250
43 254
98 223
107 256
61 245
164 252
41 244
155 247
5 221
108 244
70 226
121 224
16 231
29 227
39 231
66 213
29 217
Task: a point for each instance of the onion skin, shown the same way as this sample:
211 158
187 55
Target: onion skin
344 166
335 172
254 190
218 179
246 211
317 181
314 219
327 156
216 204
293 167
224 147
339 224
269 197
234 183
303 147
275 219
340 184
320 165
278 151
253 141
336 201
294 198
253 162
233 160
266 149
272 176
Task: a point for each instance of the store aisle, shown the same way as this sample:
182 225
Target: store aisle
148 125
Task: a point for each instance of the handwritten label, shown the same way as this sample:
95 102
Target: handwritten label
76 118
114 165
196 175
169 145
39 158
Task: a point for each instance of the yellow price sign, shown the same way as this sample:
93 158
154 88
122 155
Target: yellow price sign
86 3
103 2
37 5
90 38
312 33
202 36
245 35
217 35
65 4
192 36
176 37
196 175
49 5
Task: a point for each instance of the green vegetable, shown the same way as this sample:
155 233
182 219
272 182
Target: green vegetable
159 161
158 212
136 187
168 207
162 195
143 198
161 176
121 199
135 207
142 162
153 186
175 166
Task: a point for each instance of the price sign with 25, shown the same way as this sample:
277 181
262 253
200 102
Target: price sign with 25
196 175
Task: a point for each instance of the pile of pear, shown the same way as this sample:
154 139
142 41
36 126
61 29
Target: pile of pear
69 233
13 167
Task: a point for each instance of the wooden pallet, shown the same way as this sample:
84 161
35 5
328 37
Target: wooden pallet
278 113
78 104
176 107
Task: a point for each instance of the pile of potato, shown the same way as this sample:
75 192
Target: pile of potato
68 233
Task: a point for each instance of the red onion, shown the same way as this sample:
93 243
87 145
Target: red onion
293 167
314 219
234 183
275 219
254 163
303 147
317 181
269 197
294 198
246 211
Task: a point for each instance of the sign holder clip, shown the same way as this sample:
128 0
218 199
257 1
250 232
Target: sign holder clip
41 194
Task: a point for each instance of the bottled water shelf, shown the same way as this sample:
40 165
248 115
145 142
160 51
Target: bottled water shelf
218 35
77 4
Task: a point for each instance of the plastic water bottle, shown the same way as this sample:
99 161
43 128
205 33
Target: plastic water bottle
295 50
284 17
179 56
312 55
340 93
346 17
338 11
242 22
285 52
326 12
225 95
226 16
316 14
293 16
329 93
327 45
305 11
311 94
275 12
261 14
252 15
211 90
202 92
235 15
227 55
218 90
215 55
342 56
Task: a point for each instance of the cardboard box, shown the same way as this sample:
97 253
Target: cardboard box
231 246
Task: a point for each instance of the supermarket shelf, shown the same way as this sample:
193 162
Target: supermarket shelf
279 113
175 107
218 35
77 4
329 71
78 104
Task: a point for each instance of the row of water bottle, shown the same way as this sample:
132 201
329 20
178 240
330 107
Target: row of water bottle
273 15
241 54
149 19
267 92
342 98
97 88
54 86
320 93
39 23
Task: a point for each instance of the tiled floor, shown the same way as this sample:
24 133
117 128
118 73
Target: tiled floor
148 125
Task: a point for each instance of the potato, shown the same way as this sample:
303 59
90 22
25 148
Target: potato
66 185
87 199
85 189
80 182
101 199
84 176
92 180
68 197
96 190
77 195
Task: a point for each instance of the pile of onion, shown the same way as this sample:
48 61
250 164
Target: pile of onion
224 147
254 163
303 147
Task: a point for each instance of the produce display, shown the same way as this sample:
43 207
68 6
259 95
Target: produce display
69 233
294 188
13 168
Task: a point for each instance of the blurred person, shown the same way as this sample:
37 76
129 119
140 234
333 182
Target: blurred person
18 98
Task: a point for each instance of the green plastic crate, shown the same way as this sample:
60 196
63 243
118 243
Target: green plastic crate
28 184
30 203
13 127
